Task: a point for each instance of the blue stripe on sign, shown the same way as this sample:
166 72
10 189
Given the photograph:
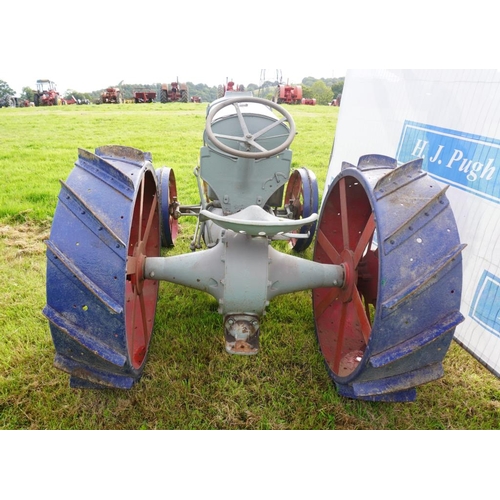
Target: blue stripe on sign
485 307
469 162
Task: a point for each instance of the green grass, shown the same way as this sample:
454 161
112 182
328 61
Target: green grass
189 381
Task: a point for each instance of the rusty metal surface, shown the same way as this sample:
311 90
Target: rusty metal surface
242 334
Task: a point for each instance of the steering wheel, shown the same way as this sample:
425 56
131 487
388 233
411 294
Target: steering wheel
249 138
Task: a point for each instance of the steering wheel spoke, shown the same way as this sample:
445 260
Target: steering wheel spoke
250 138
269 127
230 137
241 119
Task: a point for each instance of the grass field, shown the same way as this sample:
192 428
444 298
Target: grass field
189 381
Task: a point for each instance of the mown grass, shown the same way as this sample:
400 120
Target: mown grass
189 381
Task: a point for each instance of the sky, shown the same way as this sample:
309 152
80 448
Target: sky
91 45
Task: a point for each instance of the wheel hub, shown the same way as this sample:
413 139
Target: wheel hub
135 267
350 275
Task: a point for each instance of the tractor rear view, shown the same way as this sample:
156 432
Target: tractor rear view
385 274
112 95
230 86
174 92
288 94
46 94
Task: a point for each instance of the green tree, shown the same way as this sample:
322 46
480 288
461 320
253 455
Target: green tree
5 90
321 93
28 94
307 92
338 87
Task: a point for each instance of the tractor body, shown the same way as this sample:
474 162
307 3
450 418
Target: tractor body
174 92
46 94
288 94
112 95
229 86
385 272
240 215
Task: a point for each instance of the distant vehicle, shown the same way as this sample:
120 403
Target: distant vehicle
288 94
230 86
144 95
112 95
9 101
174 92
73 100
46 94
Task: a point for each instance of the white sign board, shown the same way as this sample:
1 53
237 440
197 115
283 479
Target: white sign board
451 119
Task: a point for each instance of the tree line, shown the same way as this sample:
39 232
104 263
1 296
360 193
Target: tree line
324 90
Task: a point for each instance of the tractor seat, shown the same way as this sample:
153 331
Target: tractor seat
255 221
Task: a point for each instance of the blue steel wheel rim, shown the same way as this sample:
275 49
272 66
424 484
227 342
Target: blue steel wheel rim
100 308
302 193
388 329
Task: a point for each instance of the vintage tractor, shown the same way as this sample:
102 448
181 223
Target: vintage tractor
112 95
46 94
230 86
386 270
174 92
288 94
10 101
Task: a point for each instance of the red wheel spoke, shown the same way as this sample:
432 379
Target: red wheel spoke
340 338
328 248
365 239
141 207
132 324
144 319
131 265
321 307
343 213
361 315
150 219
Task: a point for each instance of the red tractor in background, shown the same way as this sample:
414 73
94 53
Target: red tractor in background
174 92
112 95
46 94
229 87
288 94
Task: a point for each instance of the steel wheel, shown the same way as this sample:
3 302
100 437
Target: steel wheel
388 329
302 195
167 195
100 308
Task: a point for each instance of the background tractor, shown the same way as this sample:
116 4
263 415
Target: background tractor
10 101
112 95
230 86
46 94
385 273
174 92
288 94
